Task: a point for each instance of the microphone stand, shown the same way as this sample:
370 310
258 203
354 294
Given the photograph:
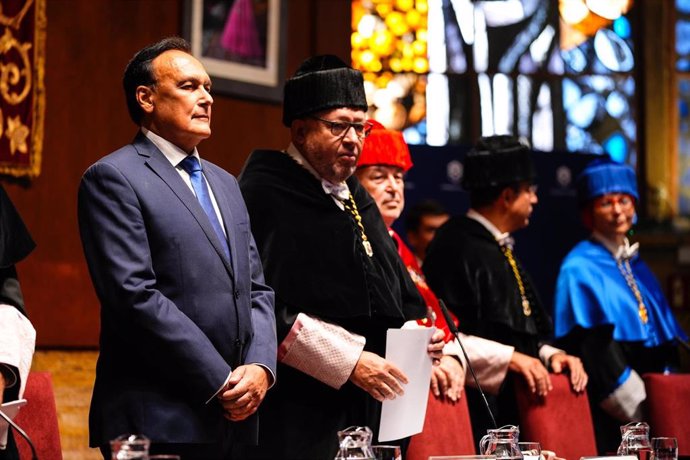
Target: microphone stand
9 421
454 330
683 344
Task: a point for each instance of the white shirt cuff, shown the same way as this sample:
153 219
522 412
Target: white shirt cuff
546 352
222 387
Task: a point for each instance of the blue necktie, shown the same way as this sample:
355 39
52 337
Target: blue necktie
193 168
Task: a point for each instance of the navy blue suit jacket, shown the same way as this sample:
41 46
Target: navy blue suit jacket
176 315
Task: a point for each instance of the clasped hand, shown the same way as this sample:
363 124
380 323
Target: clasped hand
244 391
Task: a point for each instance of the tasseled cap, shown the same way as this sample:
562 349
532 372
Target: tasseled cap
605 176
385 147
321 83
498 161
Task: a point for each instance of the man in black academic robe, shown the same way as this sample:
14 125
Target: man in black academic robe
15 329
470 266
338 280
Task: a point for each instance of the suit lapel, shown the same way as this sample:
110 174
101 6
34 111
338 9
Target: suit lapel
160 165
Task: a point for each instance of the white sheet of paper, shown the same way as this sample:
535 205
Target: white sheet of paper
404 415
10 409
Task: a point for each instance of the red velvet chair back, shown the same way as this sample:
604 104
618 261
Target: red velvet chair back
447 431
668 406
561 422
38 418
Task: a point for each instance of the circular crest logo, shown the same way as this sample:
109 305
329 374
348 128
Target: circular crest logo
454 170
564 176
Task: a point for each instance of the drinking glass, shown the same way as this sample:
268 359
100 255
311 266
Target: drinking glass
530 450
387 452
130 447
665 448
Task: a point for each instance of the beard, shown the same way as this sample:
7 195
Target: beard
326 162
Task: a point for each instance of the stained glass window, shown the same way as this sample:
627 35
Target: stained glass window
446 71
683 88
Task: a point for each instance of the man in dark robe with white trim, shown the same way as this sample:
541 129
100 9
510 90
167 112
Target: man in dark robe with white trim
338 279
470 265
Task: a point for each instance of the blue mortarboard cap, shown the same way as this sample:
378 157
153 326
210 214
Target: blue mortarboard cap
605 176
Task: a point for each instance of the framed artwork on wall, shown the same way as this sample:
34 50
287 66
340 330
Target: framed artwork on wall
242 45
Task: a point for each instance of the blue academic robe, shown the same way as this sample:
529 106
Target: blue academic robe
591 291
596 317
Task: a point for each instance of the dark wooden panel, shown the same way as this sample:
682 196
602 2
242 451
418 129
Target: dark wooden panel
89 43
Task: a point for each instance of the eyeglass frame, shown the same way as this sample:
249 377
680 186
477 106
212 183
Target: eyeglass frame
607 202
333 126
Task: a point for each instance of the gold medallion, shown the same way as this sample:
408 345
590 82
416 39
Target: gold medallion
642 311
367 248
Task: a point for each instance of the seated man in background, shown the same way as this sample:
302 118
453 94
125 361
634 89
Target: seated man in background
17 335
421 223
471 266
381 167
609 307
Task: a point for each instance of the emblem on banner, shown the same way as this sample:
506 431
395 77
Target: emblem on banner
22 93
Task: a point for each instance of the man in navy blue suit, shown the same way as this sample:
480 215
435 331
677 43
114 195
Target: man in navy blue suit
188 341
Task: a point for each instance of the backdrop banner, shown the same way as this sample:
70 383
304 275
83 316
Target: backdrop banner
22 94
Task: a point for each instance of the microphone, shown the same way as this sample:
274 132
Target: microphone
9 421
453 328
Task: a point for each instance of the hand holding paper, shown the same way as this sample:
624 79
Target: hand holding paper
409 350
380 378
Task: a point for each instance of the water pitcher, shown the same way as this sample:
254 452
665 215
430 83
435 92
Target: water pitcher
635 440
501 442
355 442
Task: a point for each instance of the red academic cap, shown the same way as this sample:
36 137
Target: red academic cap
385 147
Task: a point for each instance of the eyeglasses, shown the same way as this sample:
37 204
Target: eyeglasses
607 202
340 128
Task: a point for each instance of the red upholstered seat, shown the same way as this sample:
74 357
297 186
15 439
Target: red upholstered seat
447 431
668 405
561 422
38 418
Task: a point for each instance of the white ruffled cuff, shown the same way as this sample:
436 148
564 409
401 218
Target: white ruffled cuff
17 342
625 403
490 361
323 350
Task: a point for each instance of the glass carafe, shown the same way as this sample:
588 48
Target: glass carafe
355 442
130 447
635 440
501 442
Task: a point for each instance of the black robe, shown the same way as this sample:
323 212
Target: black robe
466 268
15 245
313 258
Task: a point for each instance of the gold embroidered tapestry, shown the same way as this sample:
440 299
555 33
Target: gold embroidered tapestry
22 94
